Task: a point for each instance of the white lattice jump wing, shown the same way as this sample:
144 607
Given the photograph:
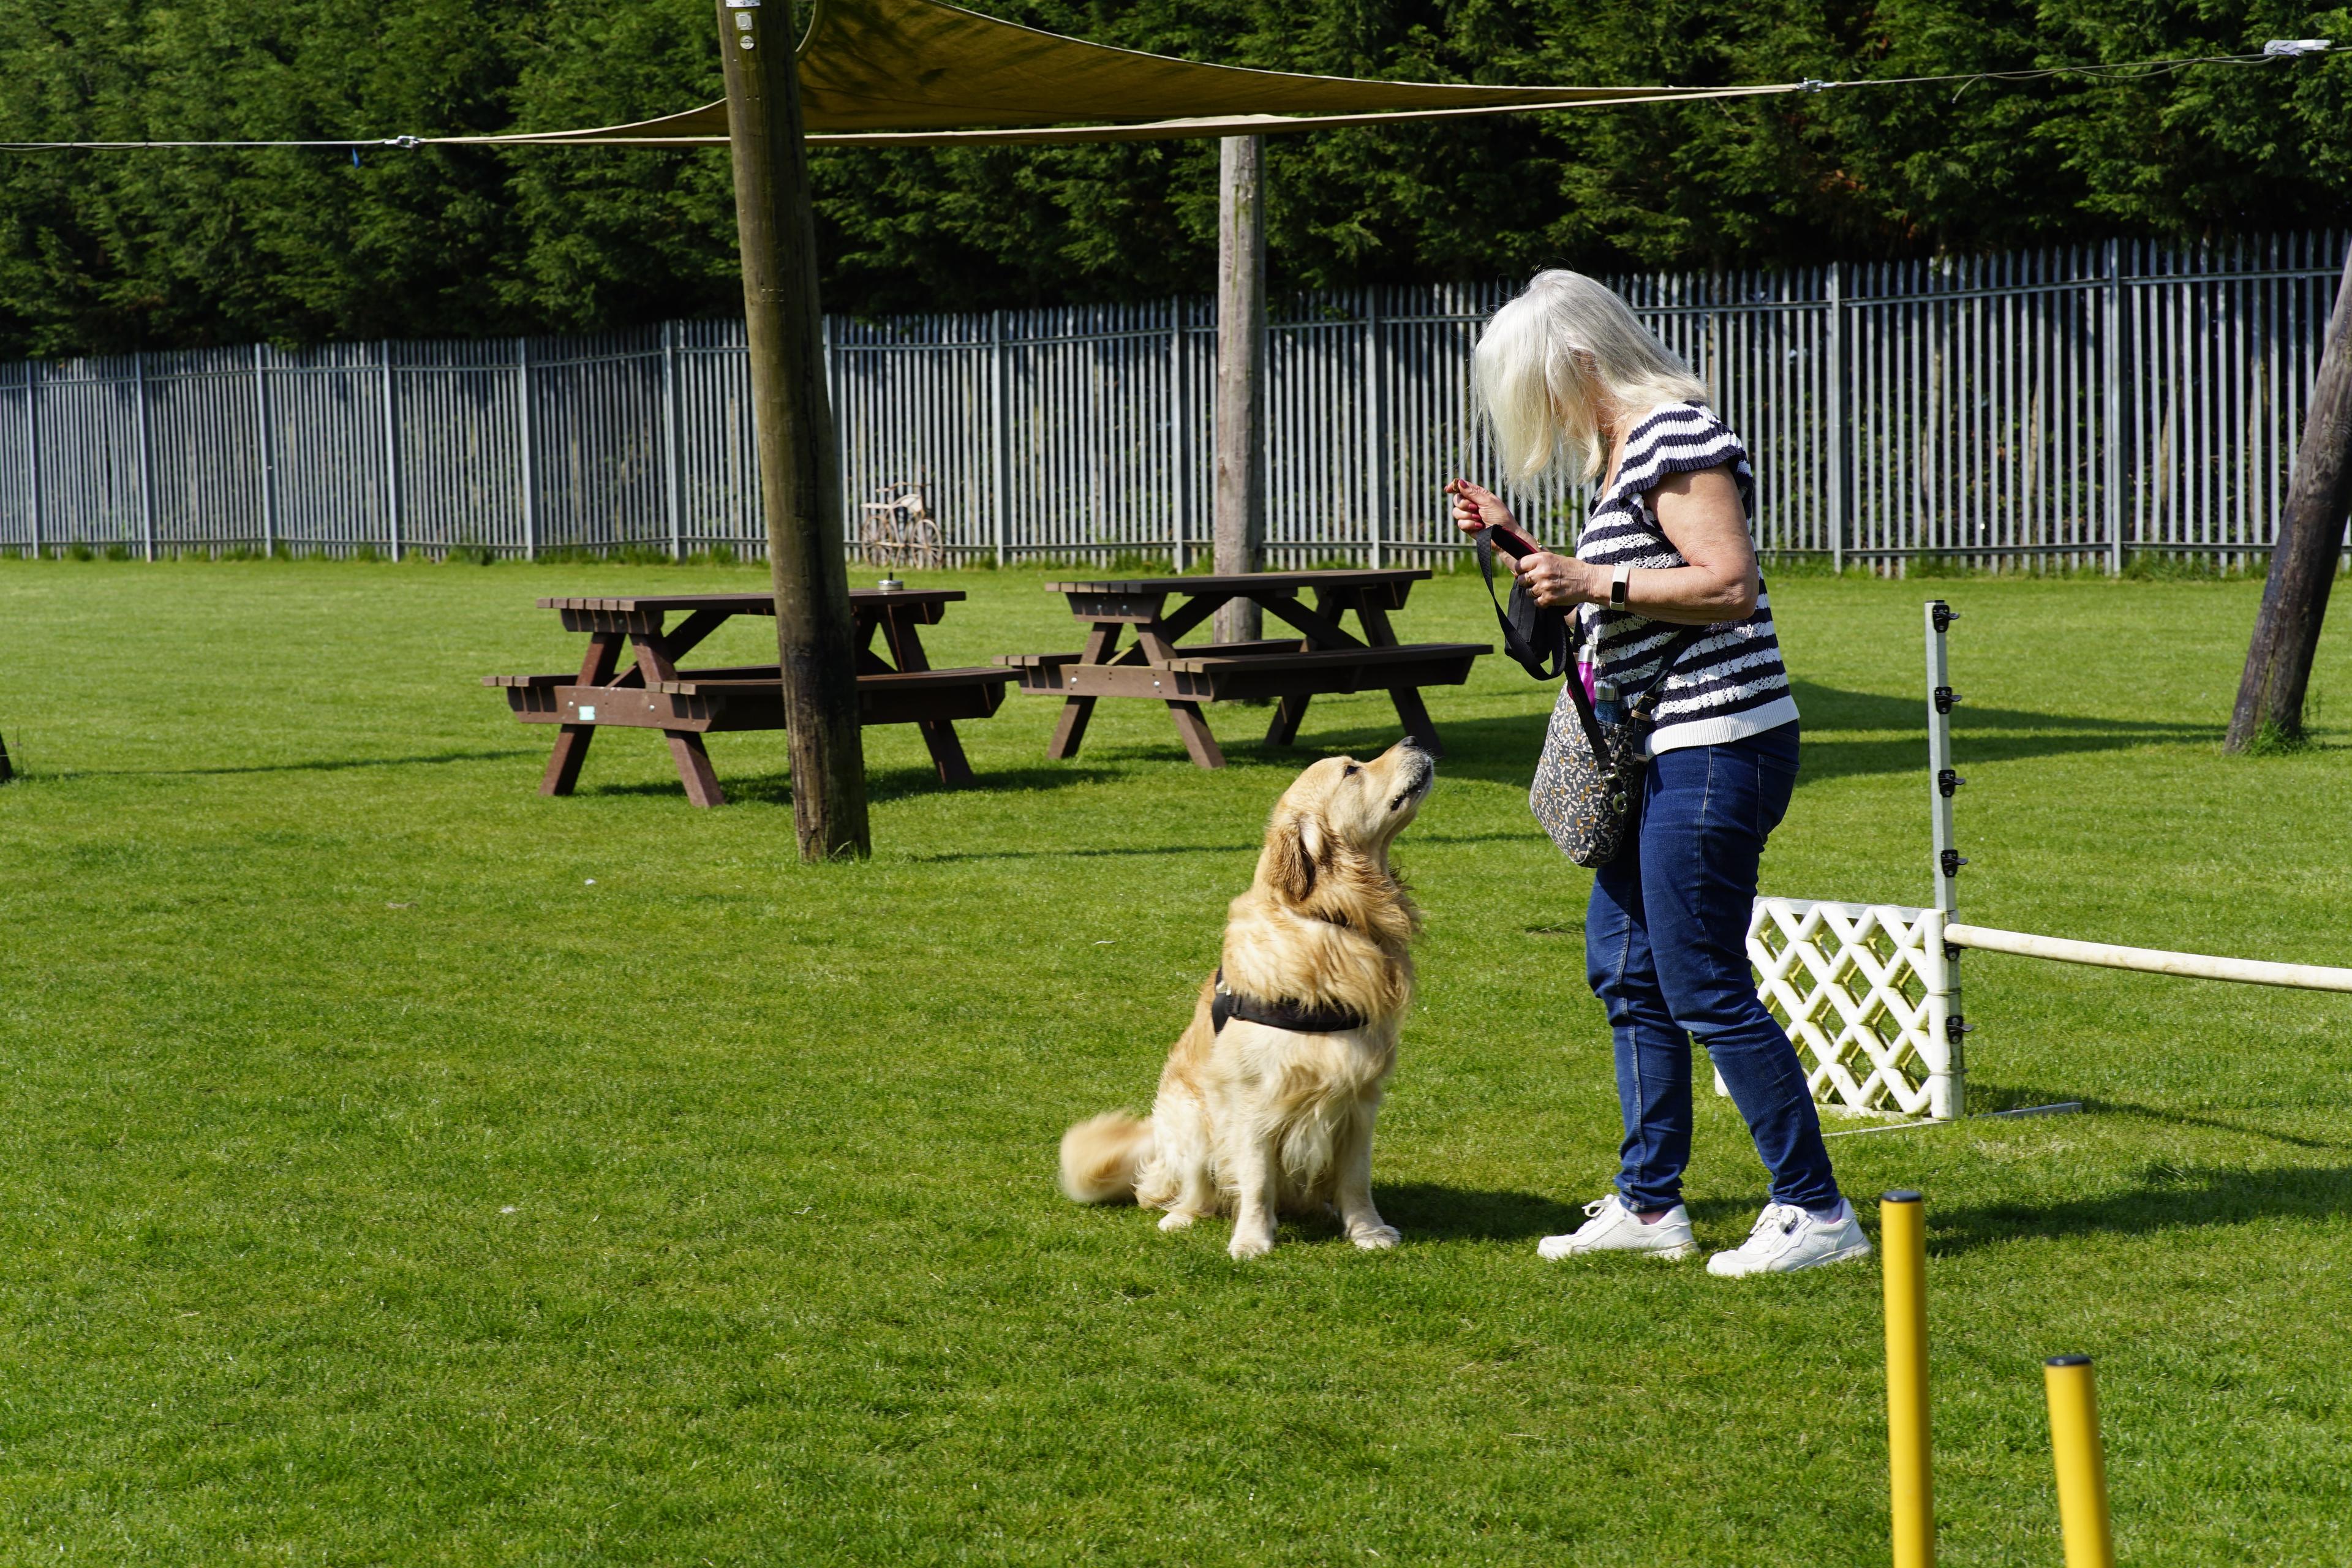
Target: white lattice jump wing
1866 992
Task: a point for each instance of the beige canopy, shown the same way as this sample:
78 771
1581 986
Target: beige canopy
919 71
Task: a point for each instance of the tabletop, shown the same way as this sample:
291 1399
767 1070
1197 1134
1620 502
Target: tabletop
744 603
1246 582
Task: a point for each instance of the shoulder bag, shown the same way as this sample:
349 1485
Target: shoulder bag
1589 774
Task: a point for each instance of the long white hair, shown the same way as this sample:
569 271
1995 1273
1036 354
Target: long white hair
1561 358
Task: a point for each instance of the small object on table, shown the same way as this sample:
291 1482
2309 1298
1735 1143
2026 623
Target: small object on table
685 705
1324 656
889 585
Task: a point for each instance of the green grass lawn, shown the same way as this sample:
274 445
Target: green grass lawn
401 1167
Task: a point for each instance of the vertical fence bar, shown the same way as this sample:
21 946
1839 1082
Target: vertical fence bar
2111 419
146 478
529 479
1375 432
1179 418
33 453
391 454
263 449
673 477
998 437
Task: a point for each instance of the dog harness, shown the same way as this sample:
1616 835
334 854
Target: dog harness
1284 1013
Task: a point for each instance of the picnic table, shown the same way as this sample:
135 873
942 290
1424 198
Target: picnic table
1323 658
685 705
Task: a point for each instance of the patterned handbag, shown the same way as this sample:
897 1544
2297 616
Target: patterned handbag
1585 779
1591 773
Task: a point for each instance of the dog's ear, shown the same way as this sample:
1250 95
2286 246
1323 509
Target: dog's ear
1291 851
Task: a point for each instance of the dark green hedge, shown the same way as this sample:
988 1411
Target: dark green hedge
107 251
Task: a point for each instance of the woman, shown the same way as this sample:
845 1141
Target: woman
1565 370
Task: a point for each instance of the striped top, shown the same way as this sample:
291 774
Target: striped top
1728 685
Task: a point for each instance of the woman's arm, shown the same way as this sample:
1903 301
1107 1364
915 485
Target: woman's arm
1701 517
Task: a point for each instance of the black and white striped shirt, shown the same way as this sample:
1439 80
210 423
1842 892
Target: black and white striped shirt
1728 685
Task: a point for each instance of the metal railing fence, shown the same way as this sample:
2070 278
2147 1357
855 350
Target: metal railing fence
2079 405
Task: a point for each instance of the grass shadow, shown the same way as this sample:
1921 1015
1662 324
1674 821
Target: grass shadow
882 785
1849 733
1404 849
1432 1211
315 765
2167 1197
1988 1098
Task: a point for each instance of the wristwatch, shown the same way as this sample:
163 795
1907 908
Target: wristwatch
1617 581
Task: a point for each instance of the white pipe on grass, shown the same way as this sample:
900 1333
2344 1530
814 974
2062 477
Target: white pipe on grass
2149 959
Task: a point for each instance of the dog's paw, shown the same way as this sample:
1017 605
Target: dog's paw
1176 1219
1376 1237
1247 1247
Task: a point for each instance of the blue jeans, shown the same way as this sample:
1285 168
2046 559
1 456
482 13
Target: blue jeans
1665 947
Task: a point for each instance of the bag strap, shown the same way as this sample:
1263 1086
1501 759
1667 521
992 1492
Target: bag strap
1590 720
1536 662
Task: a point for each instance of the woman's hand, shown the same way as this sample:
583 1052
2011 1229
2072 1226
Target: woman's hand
1475 508
1558 580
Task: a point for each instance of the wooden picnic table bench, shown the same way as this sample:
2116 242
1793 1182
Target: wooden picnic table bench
1323 658
685 705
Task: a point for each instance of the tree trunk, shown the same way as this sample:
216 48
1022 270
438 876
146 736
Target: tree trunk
800 482
1239 510
2303 560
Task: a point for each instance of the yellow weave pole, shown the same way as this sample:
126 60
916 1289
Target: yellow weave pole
2081 1461
1902 1243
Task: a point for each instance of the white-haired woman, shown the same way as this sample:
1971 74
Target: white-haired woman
1566 372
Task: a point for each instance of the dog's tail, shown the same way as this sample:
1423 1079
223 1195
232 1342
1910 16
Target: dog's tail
1102 1156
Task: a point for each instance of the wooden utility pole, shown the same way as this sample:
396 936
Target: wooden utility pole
800 482
2303 560
1239 524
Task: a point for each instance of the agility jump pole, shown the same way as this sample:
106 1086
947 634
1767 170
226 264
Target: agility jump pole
2149 959
1941 701
1873 990
2059 948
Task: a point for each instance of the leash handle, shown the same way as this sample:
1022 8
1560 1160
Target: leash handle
1542 665
1561 662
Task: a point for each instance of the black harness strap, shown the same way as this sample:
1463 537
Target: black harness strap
1285 1014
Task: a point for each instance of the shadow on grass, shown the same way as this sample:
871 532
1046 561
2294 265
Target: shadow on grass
1404 849
1433 1212
1984 1099
1848 733
315 765
882 785
2167 1197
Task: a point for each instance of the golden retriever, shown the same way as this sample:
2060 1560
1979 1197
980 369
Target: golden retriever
1261 1119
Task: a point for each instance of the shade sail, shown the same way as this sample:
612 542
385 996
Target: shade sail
913 72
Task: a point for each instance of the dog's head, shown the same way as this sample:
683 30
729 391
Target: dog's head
1326 846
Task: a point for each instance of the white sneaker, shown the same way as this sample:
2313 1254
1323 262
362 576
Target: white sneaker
1786 1238
1610 1226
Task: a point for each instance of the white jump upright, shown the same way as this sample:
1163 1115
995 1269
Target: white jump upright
1870 993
